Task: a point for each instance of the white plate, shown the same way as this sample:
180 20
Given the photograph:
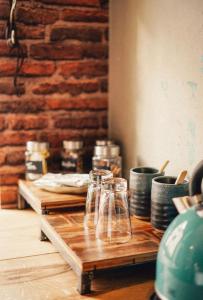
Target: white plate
64 189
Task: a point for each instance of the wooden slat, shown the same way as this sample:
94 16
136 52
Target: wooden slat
41 275
19 235
67 233
40 199
49 277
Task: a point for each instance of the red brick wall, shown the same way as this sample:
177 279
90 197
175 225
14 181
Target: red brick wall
63 81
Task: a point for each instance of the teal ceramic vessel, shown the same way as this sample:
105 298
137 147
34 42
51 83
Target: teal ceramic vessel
179 271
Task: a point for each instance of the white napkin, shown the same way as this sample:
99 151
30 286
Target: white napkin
56 180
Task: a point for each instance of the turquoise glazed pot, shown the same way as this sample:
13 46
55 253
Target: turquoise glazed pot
179 271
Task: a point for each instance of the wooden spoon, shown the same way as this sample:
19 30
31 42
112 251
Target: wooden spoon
181 177
163 167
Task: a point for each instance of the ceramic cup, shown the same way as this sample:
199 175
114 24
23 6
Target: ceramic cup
164 189
140 191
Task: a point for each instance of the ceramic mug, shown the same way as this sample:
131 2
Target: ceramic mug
140 191
163 210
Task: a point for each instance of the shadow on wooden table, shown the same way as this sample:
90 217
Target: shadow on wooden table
135 282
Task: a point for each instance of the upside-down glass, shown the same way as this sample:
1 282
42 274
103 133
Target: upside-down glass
114 224
93 196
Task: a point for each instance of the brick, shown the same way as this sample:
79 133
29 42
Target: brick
5 50
12 170
15 158
35 16
104 85
2 159
56 138
29 68
16 138
3 124
9 179
106 34
88 3
30 32
88 68
56 51
80 33
95 51
73 87
4 10
85 15
8 88
22 106
104 122
76 123
27 122
8 194
37 69
77 104
2 30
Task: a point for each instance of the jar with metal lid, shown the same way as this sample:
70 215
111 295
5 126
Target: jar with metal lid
104 142
72 156
108 157
36 159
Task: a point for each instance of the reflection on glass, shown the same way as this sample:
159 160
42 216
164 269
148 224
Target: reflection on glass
114 221
93 196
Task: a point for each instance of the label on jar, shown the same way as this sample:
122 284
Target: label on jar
103 168
34 167
70 164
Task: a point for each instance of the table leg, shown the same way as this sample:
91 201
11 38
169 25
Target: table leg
43 237
21 202
84 283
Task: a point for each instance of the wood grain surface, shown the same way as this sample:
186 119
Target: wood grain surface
86 253
42 275
39 199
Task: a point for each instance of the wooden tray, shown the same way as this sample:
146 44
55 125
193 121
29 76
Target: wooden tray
86 255
42 201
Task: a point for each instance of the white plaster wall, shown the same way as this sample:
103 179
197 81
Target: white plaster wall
156 81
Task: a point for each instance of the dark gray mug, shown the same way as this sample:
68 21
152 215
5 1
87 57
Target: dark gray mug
140 191
164 189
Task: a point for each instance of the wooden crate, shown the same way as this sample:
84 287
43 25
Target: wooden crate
42 202
86 255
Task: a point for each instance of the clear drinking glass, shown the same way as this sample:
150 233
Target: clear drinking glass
93 196
114 224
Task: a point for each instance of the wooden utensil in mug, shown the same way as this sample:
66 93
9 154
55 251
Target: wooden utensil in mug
163 167
181 177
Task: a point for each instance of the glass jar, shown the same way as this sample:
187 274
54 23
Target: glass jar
114 225
93 196
36 159
104 142
72 156
107 157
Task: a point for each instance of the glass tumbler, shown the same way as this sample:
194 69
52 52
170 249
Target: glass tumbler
114 223
93 196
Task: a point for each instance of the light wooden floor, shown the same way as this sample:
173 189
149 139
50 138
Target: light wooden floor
33 270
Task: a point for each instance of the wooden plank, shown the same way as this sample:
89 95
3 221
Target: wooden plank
49 277
87 255
40 200
19 235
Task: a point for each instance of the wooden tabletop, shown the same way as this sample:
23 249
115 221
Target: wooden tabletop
35 271
86 253
40 199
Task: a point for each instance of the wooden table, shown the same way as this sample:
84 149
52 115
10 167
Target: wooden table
43 202
33 270
87 256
